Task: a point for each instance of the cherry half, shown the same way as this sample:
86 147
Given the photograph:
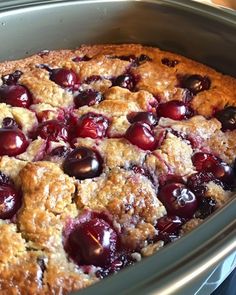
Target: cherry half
92 125
174 109
83 163
64 77
12 142
227 117
205 162
196 83
178 200
52 130
141 135
93 242
145 117
87 97
15 95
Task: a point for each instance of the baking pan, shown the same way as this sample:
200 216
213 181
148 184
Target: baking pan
200 32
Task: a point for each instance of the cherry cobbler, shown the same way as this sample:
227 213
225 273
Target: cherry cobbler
108 153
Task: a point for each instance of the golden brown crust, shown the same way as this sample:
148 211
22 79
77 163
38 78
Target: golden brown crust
32 255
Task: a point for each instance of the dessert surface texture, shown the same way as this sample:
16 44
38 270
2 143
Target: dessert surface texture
107 154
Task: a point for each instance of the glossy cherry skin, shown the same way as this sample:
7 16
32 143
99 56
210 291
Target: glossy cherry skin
171 63
174 109
178 200
209 163
12 142
83 163
12 78
10 201
61 152
169 224
52 130
92 125
127 81
87 97
145 117
9 123
15 95
141 135
63 77
94 243
227 117
196 83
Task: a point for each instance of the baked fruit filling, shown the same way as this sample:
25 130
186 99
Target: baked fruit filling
107 153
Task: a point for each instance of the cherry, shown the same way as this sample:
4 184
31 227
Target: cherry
63 77
9 123
145 117
12 78
92 79
209 163
81 58
196 83
10 201
93 242
174 109
169 224
140 134
197 182
171 63
227 117
4 179
87 97
127 81
83 163
123 260
178 200
206 207
52 130
12 142
92 125
61 152
15 95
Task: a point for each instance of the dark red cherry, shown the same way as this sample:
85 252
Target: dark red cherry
209 163
87 97
206 207
60 151
83 163
12 142
4 179
92 125
171 63
140 134
169 224
127 81
123 260
197 182
12 78
15 95
178 200
145 117
94 243
196 83
227 117
63 77
174 109
10 201
81 58
9 123
52 130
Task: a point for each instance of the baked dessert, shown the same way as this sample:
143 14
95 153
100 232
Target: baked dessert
108 153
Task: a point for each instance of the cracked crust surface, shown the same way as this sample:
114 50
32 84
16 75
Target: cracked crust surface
31 245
